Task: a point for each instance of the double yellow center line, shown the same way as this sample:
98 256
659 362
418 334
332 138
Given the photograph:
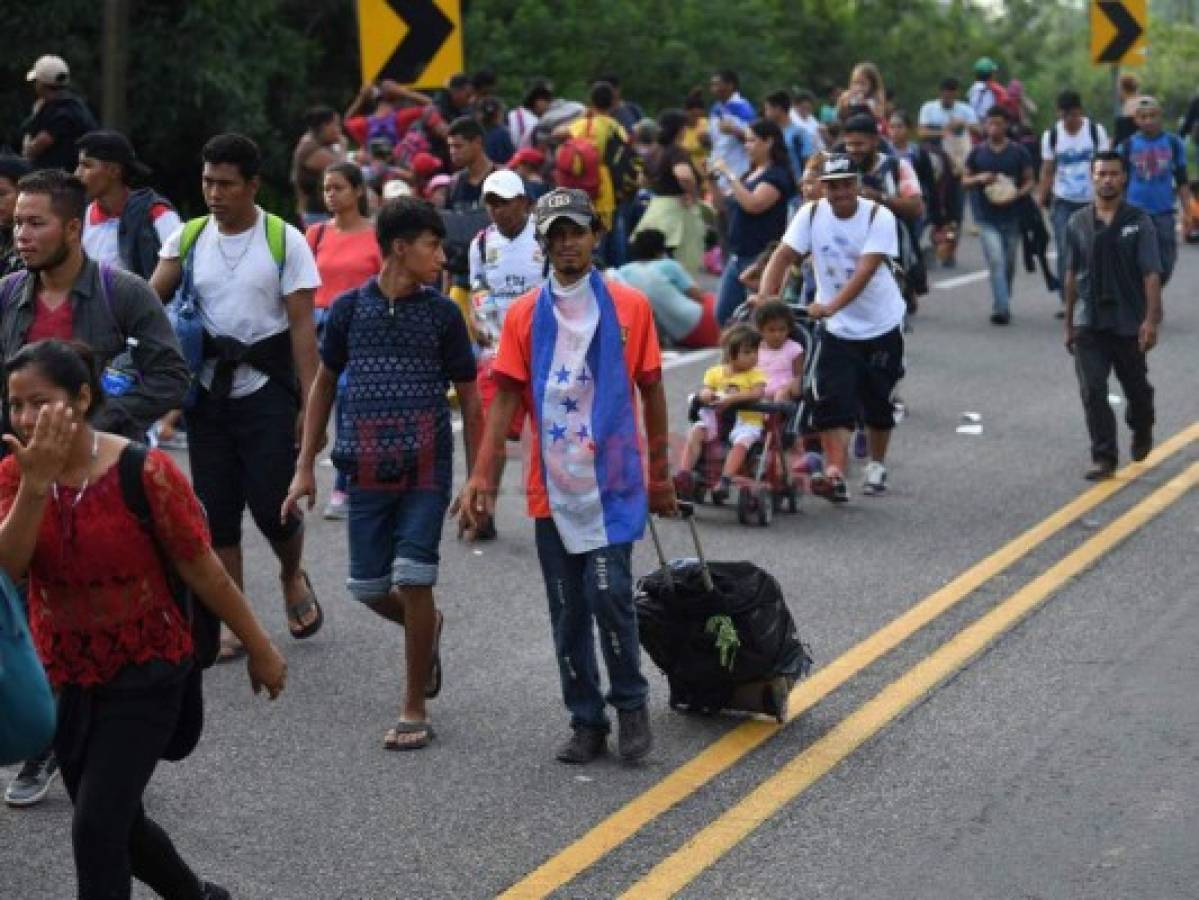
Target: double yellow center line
681 867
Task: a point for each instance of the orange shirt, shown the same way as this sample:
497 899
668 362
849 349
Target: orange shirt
642 356
345 261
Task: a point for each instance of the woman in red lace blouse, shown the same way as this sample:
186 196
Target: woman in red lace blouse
105 622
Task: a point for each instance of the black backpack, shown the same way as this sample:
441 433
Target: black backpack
624 166
205 626
1091 127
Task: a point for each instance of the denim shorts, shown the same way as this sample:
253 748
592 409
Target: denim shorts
395 535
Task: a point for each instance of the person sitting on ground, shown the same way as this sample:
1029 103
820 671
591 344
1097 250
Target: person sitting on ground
735 382
779 357
400 345
684 314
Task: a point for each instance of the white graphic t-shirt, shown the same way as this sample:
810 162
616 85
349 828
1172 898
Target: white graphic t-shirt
836 246
505 270
1072 156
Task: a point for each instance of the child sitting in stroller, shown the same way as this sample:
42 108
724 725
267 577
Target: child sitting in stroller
736 382
780 357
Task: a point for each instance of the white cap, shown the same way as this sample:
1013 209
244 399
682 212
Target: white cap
51 70
396 188
504 183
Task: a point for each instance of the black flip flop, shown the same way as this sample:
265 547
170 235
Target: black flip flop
433 685
405 727
297 611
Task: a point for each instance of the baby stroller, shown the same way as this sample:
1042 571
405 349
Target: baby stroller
766 484
806 332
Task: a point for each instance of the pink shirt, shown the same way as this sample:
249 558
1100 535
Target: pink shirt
779 365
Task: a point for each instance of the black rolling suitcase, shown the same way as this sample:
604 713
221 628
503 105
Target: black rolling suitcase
720 632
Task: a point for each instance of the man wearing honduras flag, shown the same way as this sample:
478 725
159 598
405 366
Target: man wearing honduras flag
575 350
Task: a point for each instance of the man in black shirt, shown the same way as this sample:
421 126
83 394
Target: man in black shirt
1113 310
59 118
456 100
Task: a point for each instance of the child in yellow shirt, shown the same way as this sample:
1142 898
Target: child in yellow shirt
737 381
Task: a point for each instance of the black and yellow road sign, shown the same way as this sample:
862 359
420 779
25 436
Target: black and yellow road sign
1118 31
418 43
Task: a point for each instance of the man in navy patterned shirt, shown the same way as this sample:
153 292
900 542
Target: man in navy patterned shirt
400 344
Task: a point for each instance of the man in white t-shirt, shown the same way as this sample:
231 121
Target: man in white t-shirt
803 114
506 261
860 356
1067 148
728 121
253 278
947 112
124 226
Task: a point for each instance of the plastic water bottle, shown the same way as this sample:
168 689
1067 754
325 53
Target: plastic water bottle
120 375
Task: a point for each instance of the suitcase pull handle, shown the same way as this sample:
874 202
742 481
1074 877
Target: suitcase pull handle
687 512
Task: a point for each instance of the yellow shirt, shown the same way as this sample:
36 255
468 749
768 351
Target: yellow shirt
598 128
691 143
726 382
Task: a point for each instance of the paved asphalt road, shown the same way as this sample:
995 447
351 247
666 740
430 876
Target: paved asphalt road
1059 763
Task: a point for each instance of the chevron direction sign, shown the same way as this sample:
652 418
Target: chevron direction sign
417 43
1118 32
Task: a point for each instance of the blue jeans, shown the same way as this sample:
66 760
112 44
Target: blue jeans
1000 243
394 538
731 292
581 588
1060 213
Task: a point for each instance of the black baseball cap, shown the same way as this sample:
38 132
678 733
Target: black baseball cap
569 203
837 166
113 147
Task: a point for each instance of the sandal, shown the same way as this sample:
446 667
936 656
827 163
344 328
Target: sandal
231 649
433 685
297 611
391 741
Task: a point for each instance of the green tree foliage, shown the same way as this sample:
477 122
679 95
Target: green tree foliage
195 69
204 66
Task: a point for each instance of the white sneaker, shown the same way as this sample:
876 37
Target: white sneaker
876 479
338 507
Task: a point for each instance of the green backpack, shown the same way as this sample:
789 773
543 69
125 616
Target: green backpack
184 312
276 238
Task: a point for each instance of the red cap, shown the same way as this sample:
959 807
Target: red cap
527 157
425 165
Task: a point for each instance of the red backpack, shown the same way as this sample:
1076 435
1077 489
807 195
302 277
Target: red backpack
577 164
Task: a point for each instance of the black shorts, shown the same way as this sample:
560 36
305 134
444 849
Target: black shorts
243 453
856 377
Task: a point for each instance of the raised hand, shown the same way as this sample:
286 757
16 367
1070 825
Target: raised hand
45 456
